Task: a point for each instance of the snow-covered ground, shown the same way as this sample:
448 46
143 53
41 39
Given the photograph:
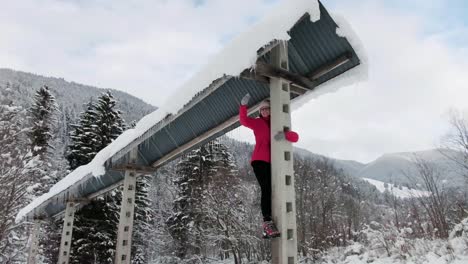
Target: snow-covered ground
388 245
404 192
418 252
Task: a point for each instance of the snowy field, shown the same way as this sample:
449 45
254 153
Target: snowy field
402 250
380 245
404 192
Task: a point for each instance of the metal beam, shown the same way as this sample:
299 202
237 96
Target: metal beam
67 231
281 71
79 202
105 190
254 75
33 242
127 210
300 84
284 248
138 168
324 69
294 89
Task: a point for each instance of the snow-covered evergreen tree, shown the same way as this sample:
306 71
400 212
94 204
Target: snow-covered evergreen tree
15 179
50 164
226 206
208 209
187 220
98 126
109 123
84 138
43 118
95 231
181 222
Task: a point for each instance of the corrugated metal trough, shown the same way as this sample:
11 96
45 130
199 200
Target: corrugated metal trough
315 51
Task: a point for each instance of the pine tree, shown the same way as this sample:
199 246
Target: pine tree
84 138
207 210
223 202
95 231
99 125
42 116
109 123
15 178
185 221
178 222
63 131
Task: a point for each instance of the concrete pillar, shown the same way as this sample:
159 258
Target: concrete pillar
33 242
67 230
284 248
124 235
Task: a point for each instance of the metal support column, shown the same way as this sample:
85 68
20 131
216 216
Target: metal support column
33 242
67 230
284 248
124 235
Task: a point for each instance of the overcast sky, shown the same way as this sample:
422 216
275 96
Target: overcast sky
417 51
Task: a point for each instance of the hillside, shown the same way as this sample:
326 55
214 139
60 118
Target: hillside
396 167
350 167
70 95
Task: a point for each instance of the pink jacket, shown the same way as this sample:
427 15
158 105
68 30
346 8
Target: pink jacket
261 129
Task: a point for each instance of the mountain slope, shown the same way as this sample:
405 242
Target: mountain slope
70 95
398 191
350 167
396 167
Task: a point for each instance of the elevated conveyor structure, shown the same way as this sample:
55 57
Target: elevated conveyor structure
316 54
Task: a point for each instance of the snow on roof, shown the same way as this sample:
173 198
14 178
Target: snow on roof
241 53
237 56
352 76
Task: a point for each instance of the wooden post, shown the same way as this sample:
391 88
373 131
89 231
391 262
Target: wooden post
33 242
124 235
67 230
284 248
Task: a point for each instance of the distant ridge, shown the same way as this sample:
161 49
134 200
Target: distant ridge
70 95
394 167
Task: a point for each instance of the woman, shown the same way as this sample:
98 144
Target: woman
261 157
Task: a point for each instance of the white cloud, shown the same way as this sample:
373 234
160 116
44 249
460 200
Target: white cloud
147 48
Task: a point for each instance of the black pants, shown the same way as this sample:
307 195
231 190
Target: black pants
262 170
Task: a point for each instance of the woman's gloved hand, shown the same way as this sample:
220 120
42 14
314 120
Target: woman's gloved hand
245 100
290 136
